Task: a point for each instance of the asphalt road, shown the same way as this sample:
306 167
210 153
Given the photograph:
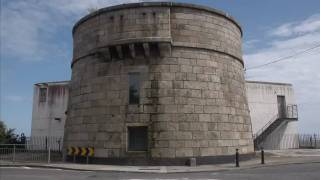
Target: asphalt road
284 172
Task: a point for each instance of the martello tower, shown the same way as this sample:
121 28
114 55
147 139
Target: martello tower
159 82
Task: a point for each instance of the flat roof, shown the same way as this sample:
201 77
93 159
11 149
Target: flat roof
271 83
156 4
52 83
247 81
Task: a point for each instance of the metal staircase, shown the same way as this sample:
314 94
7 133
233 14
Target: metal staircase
291 114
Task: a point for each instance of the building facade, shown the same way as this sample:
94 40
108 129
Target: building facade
50 101
158 81
274 114
161 82
263 100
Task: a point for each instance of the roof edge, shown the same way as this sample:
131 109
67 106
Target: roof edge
266 82
52 82
159 4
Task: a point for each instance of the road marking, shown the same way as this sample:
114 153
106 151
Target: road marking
10 167
214 174
75 170
25 167
40 168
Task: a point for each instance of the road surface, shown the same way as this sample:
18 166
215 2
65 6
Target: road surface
309 171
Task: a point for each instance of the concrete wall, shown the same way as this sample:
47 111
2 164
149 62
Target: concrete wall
262 99
192 94
45 115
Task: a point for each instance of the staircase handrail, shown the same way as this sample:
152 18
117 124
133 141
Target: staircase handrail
258 133
291 112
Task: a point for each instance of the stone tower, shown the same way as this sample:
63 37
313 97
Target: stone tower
158 82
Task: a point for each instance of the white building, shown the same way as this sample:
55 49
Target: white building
50 100
274 114
272 109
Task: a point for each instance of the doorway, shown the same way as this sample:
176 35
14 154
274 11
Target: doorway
281 106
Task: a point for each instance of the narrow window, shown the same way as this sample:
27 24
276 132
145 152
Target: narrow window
43 94
134 88
138 138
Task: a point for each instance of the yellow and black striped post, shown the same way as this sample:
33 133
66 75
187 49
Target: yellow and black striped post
70 151
90 153
77 151
84 151
80 151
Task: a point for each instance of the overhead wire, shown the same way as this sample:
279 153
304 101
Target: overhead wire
284 58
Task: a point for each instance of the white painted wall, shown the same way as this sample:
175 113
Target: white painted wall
44 114
263 106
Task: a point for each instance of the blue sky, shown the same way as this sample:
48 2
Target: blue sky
36 46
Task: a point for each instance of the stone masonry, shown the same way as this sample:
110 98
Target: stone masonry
192 90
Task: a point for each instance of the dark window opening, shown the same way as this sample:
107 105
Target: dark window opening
113 52
138 138
43 94
134 88
154 50
126 51
139 50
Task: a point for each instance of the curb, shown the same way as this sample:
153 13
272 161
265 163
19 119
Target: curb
245 168
41 166
163 172
276 164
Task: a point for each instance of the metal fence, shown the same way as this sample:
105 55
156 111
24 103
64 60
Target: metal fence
33 149
291 141
44 142
27 153
311 141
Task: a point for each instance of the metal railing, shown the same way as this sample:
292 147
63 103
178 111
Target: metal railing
44 142
258 133
311 141
33 149
291 113
291 141
28 153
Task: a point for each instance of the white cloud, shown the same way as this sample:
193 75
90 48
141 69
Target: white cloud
30 29
311 24
302 70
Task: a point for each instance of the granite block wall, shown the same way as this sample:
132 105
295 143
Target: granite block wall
192 87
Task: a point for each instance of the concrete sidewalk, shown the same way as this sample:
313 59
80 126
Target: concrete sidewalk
272 158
